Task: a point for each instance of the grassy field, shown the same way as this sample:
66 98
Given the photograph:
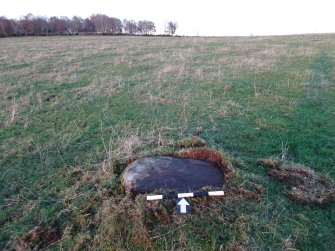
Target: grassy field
75 110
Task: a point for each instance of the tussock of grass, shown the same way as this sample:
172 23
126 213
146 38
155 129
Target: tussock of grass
123 226
191 142
38 238
304 185
134 223
13 114
244 194
212 156
269 162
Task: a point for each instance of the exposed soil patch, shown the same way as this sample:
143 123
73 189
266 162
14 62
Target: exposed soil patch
50 98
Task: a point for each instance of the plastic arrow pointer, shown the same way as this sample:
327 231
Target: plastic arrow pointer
183 204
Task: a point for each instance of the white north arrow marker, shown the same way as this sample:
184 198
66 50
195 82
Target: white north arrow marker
183 204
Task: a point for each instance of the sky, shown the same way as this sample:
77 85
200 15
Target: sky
196 17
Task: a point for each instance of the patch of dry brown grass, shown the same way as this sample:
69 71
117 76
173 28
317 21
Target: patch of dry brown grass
252 64
191 142
167 69
212 156
122 225
303 185
245 194
157 99
38 238
269 162
13 113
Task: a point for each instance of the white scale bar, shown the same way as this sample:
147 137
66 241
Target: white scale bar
185 195
216 193
154 197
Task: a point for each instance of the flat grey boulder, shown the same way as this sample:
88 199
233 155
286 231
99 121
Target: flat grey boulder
178 174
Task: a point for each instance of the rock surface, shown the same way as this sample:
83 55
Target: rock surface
177 174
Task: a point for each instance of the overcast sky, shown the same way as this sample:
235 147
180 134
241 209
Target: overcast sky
196 17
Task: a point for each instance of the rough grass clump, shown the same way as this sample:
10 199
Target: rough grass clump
136 224
213 156
304 184
244 194
269 162
38 238
123 226
191 142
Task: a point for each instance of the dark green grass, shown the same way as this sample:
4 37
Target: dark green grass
291 115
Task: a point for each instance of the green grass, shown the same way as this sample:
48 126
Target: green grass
113 97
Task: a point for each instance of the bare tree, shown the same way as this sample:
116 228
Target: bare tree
54 23
130 27
171 28
115 25
101 23
60 25
77 24
146 27
38 25
65 24
27 24
89 25
4 26
14 27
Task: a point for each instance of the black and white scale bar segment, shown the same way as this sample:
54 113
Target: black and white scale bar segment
184 195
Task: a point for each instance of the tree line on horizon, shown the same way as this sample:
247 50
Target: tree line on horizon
31 25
